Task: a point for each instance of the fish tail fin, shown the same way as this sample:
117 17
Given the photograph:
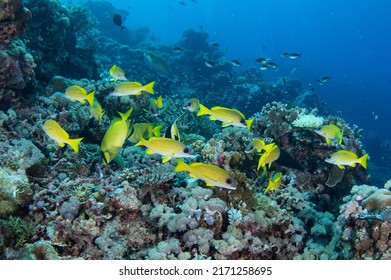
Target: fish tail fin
156 130
260 163
203 111
125 116
141 142
363 161
149 87
249 122
90 98
74 143
181 166
159 102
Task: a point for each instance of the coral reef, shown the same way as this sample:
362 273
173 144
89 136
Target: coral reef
58 204
14 19
17 74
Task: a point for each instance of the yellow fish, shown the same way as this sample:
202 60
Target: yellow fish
96 110
155 105
116 73
226 115
331 132
192 105
272 153
132 88
76 93
257 145
344 157
58 134
166 147
115 136
274 182
143 130
211 174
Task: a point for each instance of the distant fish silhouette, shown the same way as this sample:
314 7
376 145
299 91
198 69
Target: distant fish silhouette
117 19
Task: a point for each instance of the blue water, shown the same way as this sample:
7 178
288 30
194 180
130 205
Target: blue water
346 40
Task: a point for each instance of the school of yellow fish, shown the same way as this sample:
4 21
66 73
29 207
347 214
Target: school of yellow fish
170 146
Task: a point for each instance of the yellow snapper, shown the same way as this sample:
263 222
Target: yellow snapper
96 110
256 145
116 73
274 182
272 153
115 136
155 105
344 157
211 174
132 88
58 134
192 105
76 93
226 115
143 130
166 147
331 132
173 132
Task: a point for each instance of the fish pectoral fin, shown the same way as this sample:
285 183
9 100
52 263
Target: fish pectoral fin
165 159
61 144
210 184
341 166
352 165
150 152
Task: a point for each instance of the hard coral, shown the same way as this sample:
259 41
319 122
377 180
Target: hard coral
378 201
14 19
16 72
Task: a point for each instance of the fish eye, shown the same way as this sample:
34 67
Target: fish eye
186 150
229 181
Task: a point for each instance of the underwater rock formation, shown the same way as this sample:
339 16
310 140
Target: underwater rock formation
14 19
62 40
16 72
